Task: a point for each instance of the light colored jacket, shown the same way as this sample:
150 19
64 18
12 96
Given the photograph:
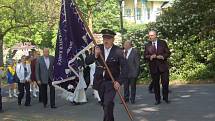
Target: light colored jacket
21 72
42 73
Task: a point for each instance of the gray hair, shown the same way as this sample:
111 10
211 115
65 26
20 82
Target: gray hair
153 31
128 41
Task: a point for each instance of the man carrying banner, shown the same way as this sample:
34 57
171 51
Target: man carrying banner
102 82
74 37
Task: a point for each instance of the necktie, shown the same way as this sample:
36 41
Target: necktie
154 47
125 53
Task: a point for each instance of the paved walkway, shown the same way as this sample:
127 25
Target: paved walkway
188 103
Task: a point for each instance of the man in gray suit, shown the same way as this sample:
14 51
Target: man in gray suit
44 75
132 71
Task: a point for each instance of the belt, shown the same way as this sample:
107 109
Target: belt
106 80
101 67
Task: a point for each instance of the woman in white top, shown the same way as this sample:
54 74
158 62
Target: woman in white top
23 71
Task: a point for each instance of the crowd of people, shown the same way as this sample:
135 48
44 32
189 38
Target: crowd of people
33 74
20 75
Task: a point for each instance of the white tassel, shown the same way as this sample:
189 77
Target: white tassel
10 95
15 93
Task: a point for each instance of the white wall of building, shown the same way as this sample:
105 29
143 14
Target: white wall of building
141 11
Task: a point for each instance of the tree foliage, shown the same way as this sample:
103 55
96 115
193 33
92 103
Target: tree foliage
27 20
36 21
105 13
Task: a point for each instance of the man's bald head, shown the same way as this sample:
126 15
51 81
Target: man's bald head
152 35
46 52
127 44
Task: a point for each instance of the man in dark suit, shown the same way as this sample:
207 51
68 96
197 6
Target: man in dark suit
113 56
132 71
156 53
44 76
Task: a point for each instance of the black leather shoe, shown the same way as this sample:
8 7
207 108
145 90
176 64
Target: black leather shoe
151 91
132 102
19 103
1 111
99 102
167 101
27 104
53 107
157 102
76 103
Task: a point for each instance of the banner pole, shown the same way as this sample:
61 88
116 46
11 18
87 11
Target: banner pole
109 72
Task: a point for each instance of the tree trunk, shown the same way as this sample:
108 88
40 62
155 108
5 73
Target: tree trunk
1 50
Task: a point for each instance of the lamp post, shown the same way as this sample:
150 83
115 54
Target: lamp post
0 93
121 19
2 76
0 99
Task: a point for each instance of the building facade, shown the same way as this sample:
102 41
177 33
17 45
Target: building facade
142 11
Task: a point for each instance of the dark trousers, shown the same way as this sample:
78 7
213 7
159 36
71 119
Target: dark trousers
0 99
127 83
44 94
164 77
107 94
151 85
40 93
21 87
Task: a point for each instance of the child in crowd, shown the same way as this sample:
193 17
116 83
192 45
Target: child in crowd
11 80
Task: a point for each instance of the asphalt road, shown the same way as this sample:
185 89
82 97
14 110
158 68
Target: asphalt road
188 103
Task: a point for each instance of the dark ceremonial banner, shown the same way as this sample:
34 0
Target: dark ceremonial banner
72 41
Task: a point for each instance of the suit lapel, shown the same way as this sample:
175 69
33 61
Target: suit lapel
150 43
158 46
50 62
43 60
103 51
130 53
111 53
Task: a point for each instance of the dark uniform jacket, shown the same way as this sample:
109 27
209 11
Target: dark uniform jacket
115 62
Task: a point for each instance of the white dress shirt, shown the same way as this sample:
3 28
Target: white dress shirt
129 52
107 52
47 61
155 43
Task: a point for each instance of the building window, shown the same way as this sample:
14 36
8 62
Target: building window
138 13
128 12
158 11
148 12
